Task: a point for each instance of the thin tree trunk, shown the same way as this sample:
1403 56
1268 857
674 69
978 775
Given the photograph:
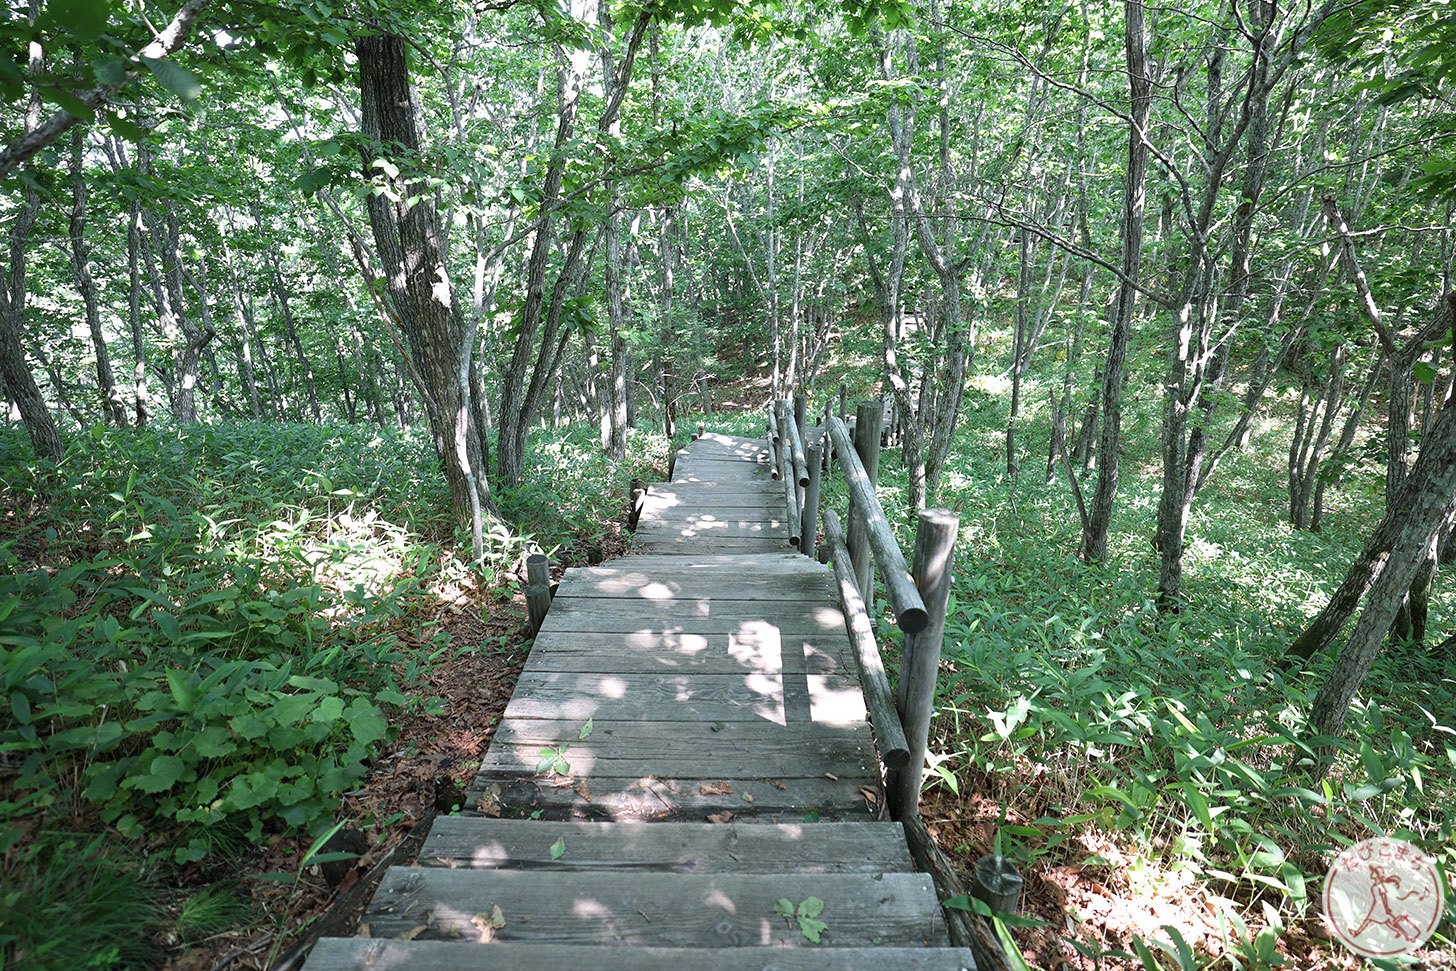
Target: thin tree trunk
111 403
1099 514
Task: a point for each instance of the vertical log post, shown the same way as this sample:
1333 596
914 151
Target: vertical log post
997 884
636 495
867 418
843 401
935 539
810 528
792 512
775 441
801 410
538 590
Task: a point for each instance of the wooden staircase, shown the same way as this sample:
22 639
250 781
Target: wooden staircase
686 757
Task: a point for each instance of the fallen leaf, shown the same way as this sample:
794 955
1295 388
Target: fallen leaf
582 789
723 817
777 784
558 849
413 932
363 931
715 789
748 797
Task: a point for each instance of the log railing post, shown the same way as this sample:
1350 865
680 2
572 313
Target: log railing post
538 590
809 528
636 495
867 418
792 512
775 441
801 411
935 538
795 440
910 612
997 883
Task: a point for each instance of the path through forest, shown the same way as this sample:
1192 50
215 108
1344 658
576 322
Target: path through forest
684 776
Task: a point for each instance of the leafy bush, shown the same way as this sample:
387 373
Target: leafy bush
200 650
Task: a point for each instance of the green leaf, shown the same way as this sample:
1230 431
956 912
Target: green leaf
585 732
82 19
811 907
174 77
164 773
558 849
20 705
1424 372
811 929
68 102
109 70
784 907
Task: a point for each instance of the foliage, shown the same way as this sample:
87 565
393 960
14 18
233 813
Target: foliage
198 635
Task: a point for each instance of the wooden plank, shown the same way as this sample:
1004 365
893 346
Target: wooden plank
661 585
667 542
479 842
728 653
831 699
760 736
714 560
593 614
363 954
672 797
591 758
654 909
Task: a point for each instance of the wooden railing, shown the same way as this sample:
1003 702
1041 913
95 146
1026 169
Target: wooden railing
917 593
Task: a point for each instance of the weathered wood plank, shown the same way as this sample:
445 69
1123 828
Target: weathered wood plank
512 844
833 699
646 797
667 542
654 909
593 614
760 736
662 585
591 758
363 954
730 653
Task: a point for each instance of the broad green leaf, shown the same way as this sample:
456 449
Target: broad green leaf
558 849
585 732
784 907
82 19
811 907
174 77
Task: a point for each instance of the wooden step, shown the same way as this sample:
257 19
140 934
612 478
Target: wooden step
360 954
648 797
698 910
475 842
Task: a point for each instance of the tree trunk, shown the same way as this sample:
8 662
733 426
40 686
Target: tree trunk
1134 204
1407 531
407 233
111 404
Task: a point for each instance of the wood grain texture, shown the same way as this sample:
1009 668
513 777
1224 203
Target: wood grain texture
361 954
647 797
655 909
513 844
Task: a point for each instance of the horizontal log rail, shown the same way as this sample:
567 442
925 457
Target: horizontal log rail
910 613
894 751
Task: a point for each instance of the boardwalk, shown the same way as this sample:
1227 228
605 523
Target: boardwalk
686 748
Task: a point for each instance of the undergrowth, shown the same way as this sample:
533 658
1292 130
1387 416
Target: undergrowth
1086 719
205 635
